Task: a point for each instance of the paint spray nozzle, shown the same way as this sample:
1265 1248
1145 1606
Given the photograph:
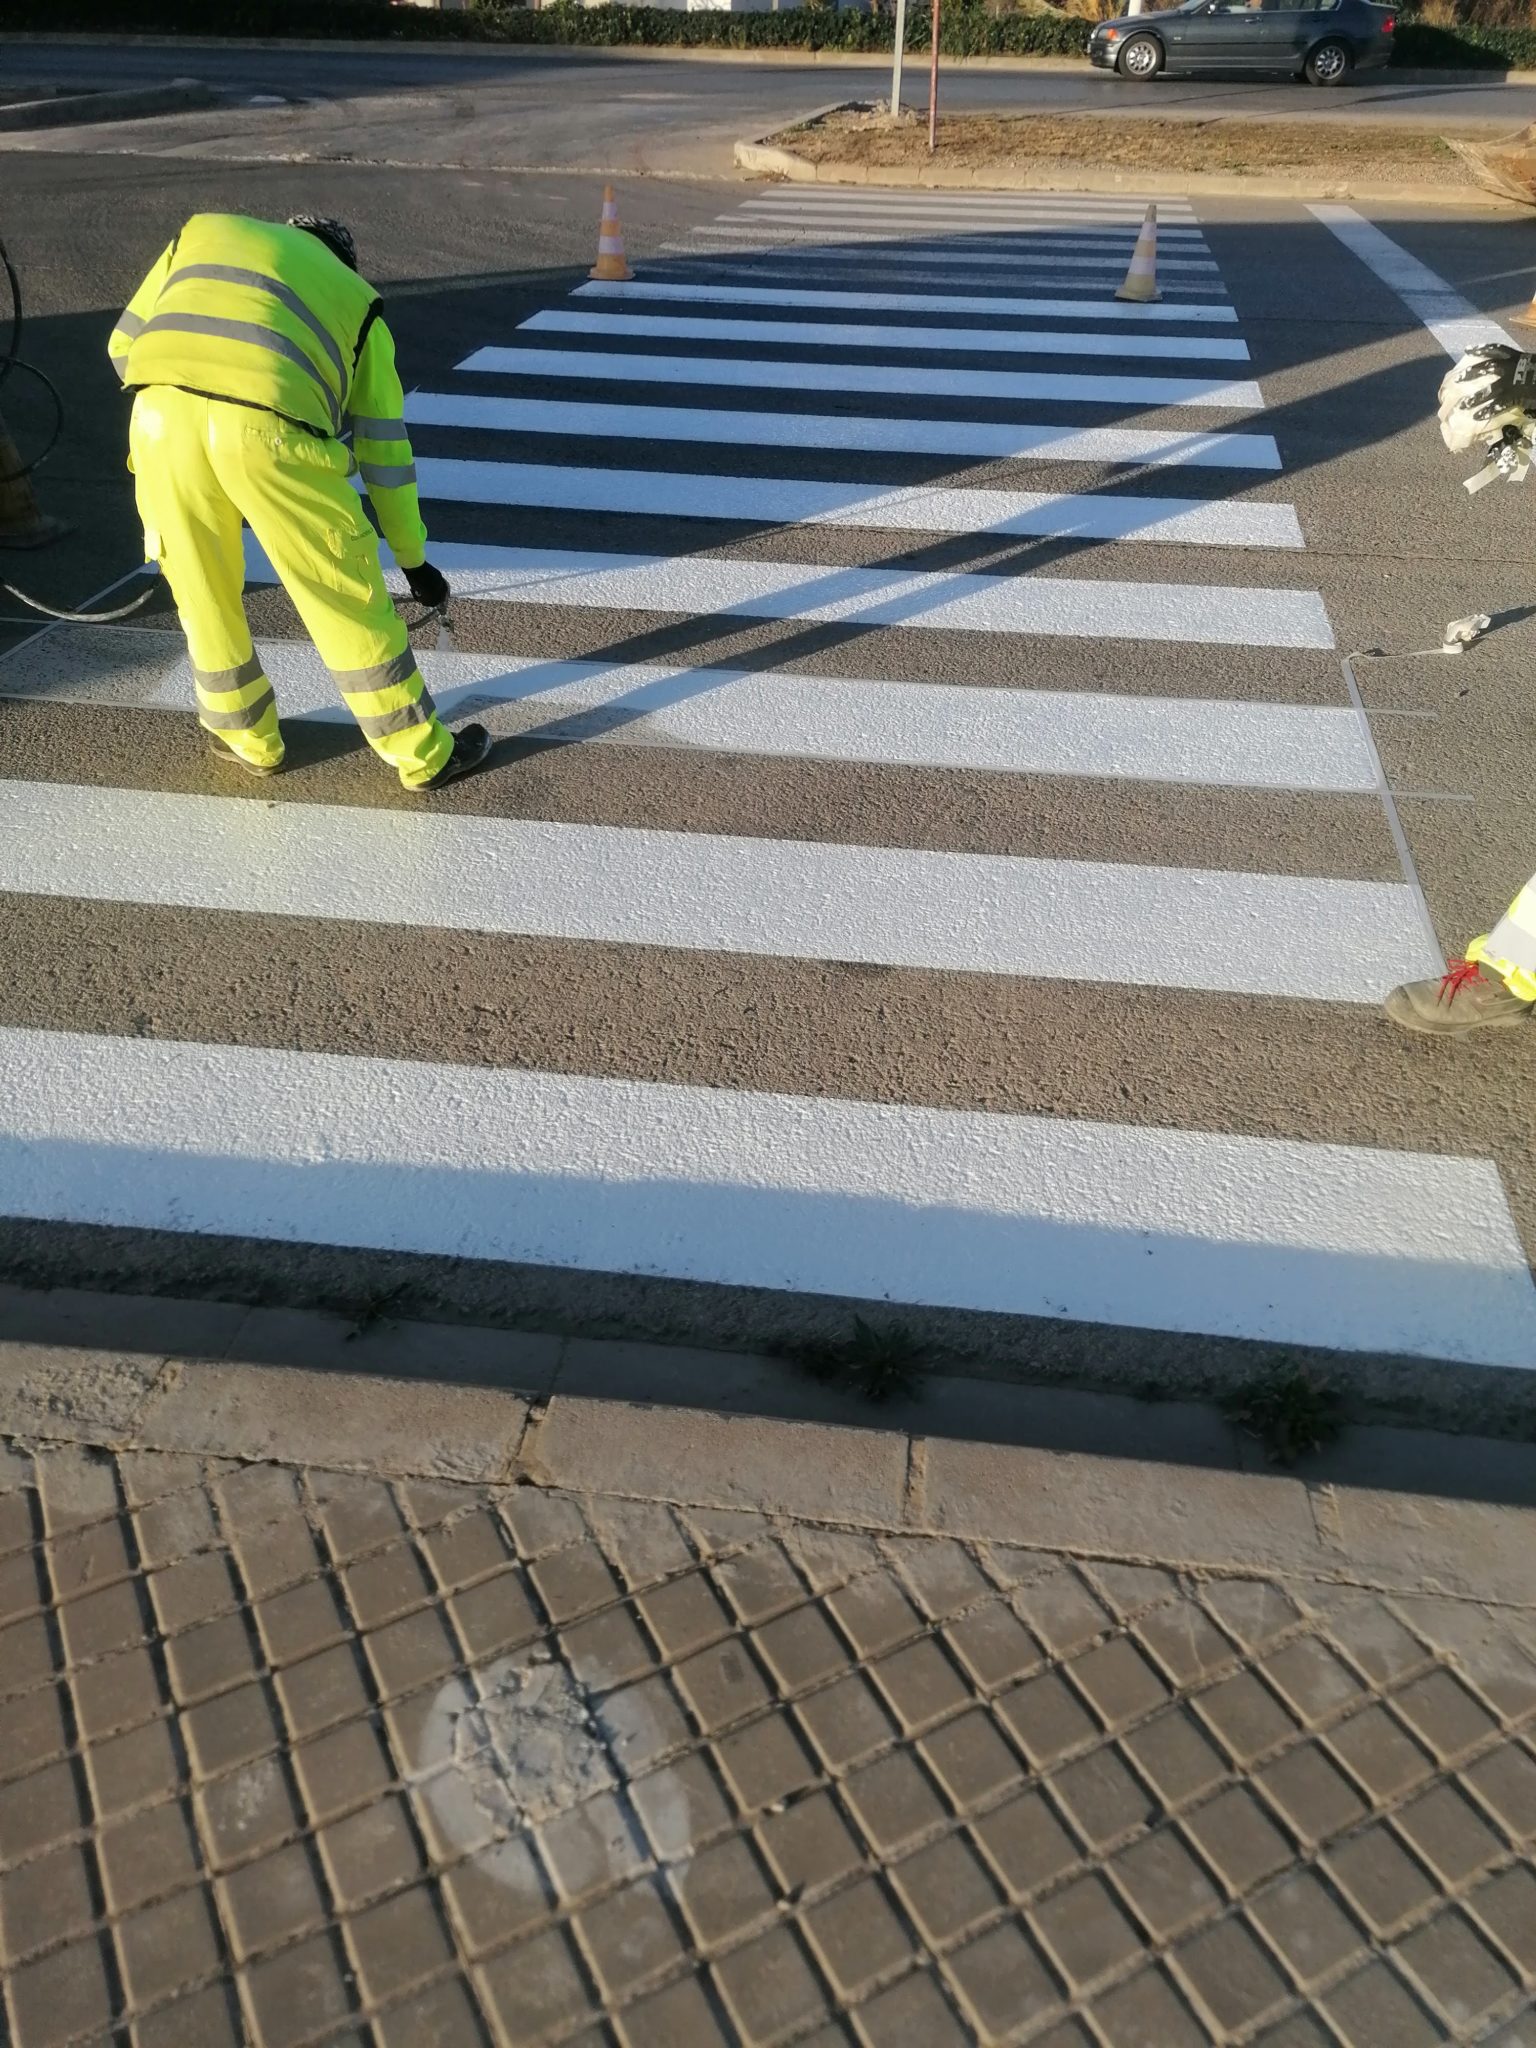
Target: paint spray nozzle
1460 633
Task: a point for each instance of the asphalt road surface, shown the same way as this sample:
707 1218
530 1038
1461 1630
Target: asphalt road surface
934 863
595 110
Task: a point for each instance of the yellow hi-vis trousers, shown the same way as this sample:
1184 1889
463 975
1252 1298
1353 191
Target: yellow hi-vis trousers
1509 950
201 467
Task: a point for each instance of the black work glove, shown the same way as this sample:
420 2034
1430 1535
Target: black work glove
429 586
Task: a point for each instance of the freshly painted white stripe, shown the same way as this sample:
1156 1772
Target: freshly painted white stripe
869 379
912 303
1111 244
852 431
749 267
880 249
900 196
962 913
856 213
826 718
794 501
1454 321
1331 1245
901 340
695 586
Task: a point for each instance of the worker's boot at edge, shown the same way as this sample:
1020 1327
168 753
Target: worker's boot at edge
1469 998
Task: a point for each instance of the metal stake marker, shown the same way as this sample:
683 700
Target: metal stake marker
897 52
933 85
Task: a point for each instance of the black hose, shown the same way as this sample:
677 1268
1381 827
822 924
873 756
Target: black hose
13 360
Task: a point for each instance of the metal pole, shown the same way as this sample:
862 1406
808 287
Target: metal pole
933 85
896 57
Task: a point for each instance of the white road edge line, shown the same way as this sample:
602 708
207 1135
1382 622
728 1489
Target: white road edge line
1265 1238
1454 321
916 304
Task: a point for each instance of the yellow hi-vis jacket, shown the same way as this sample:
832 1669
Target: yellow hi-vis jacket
266 316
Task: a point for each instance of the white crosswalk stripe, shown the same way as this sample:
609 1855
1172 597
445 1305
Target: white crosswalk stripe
956 656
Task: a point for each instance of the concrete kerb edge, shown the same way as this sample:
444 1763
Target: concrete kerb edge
893 1480
767 159
181 95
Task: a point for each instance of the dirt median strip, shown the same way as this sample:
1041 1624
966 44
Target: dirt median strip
861 146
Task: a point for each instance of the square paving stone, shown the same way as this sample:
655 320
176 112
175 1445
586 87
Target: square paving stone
1148 2013
304 1619
99 1623
357 1512
971 1760
90 1558
1449 1834
495 1894
62 1996
846 1722
629 1938
1374 2008
809 1844
993 1646
386 1584
322 1690
38 1811
856 1936
119 1692
535 1989
1120 1683
1380 1880
642 1540
684 1615
410 1652
1311 1679
21 1585
1180 1762
146 1853
32 1731
769 1988
1167 1887
1444 1715
722 1685
1246 1718
682 1806
175 1526
723 1892
939 1574
1061 1610
399 1942
272 1900
345 1768
472 1547
643 1724
1455 1968
874 1613
913 2010
1505 1906
598 1845
679 2017
1235 1837
1102 1799
574 1582
252 1809
163 1947
209 2018
230 1730
1308 1926
1003 1981
194 1589
370 1852
298 1992
759 1583
1027 1844
1231 1976
495 1614
1185 1642
443 2016
211 1658
1314 1798
1505 1783
1377 1750
920 1684
26 1655
1085 1931
134 1769
765 1762
44 1901
1373 1637
609 1650
801 1649
894 1802
542 1519
946 1889
1256 1611
1047 1719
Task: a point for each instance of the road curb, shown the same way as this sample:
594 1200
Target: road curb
1098 1478
134 103
766 159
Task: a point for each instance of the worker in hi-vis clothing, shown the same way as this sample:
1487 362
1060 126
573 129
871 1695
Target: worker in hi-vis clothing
252 349
1487 402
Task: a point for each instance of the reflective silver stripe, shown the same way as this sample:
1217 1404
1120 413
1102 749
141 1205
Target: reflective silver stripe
254 337
379 430
237 721
409 715
388 476
400 669
120 364
225 273
249 671
129 324
1512 942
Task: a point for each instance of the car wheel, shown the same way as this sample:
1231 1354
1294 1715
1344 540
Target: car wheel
1330 64
1141 57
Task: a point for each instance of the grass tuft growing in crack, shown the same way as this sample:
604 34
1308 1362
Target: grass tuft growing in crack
1289 1410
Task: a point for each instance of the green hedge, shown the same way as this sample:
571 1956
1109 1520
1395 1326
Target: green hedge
966 29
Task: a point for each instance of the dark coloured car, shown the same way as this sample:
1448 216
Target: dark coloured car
1324 41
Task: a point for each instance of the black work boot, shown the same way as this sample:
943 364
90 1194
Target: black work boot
471 745
221 750
1462 1000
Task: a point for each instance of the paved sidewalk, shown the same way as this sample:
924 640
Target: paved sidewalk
291 1754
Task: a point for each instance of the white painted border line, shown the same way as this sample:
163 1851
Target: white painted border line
1266 1238
1454 321
855 213
700 586
959 913
852 431
1114 244
918 305
1207 741
907 196
906 341
1015 387
1096 290
871 250
923 508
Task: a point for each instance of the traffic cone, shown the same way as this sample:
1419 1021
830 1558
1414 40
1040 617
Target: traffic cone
1141 279
22 522
611 263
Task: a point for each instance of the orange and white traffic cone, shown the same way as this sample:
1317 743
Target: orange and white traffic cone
1141 279
611 262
